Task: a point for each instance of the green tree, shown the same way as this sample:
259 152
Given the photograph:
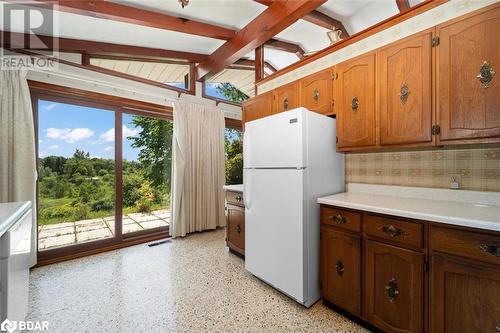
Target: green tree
233 144
231 92
154 141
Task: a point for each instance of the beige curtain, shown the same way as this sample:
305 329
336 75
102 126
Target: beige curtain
197 169
17 144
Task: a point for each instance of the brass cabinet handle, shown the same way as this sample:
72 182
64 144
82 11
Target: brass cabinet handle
339 266
392 231
392 290
238 198
238 229
404 92
316 95
498 328
339 219
485 75
355 103
285 104
491 249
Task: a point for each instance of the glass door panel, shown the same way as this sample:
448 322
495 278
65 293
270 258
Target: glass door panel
147 159
76 174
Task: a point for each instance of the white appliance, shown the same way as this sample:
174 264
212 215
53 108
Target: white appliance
289 160
15 248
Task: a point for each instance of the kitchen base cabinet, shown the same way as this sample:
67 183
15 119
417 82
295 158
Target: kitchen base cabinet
465 296
375 267
394 287
235 222
341 269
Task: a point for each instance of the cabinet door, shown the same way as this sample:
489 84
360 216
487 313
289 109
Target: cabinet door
464 297
236 228
316 92
394 281
257 107
286 97
341 269
468 98
355 104
405 76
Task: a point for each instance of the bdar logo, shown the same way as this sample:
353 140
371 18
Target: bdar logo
8 326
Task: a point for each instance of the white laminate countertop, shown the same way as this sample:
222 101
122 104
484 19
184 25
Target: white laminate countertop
464 208
234 188
10 213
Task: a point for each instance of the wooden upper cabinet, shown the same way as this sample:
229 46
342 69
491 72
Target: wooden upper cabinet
405 77
464 296
286 97
257 107
355 103
468 91
394 288
316 92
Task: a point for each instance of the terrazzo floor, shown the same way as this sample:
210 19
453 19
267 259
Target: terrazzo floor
185 285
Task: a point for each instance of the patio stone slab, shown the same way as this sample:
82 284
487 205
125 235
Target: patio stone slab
56 241
142 217
163 214
153 224
90 225
93 234
55 232
109 218
58 225
126 220
131 228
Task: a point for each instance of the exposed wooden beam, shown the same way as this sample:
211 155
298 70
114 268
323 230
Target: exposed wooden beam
403 5
118 12
318 18
96 48
250 65
259 63
276 18
287 47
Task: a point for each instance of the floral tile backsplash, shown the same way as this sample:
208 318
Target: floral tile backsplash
474 168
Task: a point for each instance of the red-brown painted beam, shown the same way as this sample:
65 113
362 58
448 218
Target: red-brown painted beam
318 18
403 5
259 63
277 17
118 12
100 48
287 47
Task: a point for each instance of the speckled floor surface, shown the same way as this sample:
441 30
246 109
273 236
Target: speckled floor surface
186 285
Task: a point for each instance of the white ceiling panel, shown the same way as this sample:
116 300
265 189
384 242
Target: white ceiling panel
308 35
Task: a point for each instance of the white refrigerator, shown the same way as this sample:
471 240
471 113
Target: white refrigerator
289 161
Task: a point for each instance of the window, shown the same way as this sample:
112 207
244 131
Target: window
233 143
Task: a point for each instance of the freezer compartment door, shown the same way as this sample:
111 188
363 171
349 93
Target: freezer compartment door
274 228
275 141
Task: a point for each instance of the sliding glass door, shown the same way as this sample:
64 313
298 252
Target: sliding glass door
104 175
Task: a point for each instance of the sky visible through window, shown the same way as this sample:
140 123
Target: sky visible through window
63 128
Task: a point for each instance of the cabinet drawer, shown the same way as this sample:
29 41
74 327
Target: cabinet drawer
341 218
394 230
235 198
468 244
236 228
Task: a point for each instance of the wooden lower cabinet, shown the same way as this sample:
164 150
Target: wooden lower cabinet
394 287
235 222
465 296
381 273
341 269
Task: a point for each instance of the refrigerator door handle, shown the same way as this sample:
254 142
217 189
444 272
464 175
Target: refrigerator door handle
246 148
247 190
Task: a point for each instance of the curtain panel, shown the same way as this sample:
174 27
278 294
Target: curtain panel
198 169
17 145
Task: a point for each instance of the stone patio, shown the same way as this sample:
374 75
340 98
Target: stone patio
70 233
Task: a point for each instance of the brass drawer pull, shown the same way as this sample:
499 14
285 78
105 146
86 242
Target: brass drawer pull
339 266
238 198
392 290
339 219
316 95
285 104
392 231
355 103
491 249
238 229
498 328
486 74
